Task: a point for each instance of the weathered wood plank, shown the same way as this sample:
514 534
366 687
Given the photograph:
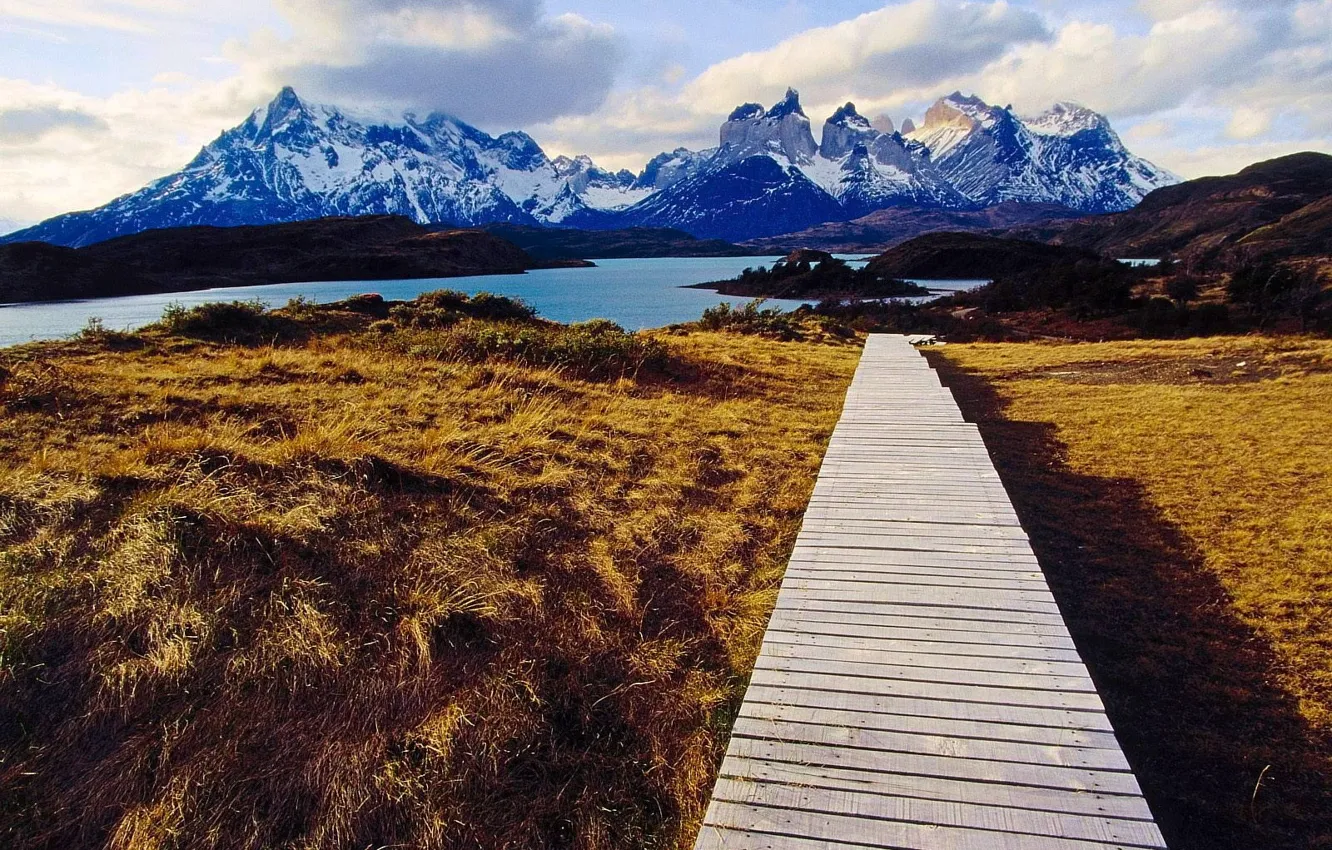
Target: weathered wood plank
939 727
888 783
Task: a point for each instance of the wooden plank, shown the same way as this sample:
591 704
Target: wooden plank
974 648
894 742
886 782
938 727
897 654
867 674
924 706
925 689
902 809
978 604
948 623
959 639
972 769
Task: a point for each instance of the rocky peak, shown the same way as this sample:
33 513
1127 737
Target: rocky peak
846 115
283 111
844 130
1066 119
520 151
883 124
782 130
908 126
789 105
953 111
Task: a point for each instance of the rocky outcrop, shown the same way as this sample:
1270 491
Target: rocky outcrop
782 130
844 130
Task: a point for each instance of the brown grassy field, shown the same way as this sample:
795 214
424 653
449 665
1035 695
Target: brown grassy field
441 583
1179 495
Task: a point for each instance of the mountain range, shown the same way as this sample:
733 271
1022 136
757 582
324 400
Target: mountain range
294 160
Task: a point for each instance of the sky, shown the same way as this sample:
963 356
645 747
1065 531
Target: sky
98 97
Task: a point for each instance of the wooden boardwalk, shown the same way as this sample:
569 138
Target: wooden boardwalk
917 687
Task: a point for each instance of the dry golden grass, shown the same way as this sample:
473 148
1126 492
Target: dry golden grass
342 593
1182 492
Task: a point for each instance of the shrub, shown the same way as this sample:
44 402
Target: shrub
1208 319
484 305
752 318
598 349
445 307
1159 317
1182 288
97 333
218 319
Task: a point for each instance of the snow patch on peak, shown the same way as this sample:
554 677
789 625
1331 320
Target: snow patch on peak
1066 119
746 112
847 116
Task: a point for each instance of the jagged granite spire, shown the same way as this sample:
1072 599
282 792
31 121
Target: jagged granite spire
845 129
782 130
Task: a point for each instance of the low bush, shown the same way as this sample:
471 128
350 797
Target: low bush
598 349
753 318
234 321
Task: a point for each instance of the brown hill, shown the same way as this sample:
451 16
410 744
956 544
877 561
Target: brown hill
941 256
180 259
1216 219
882 229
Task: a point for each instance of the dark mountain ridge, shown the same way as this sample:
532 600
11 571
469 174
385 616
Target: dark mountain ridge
557 243
941 256
181 259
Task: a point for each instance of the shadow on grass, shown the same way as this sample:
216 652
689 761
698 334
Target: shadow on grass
1222 753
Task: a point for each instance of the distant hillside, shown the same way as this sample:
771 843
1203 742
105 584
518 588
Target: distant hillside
564 244
882 229
186 258
1278 208
940 256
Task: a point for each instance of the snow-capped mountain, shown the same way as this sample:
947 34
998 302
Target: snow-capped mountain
1068 155
296 160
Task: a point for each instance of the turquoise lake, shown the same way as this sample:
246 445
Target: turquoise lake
636 293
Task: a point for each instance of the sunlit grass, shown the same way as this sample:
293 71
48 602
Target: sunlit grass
1180 493
350 592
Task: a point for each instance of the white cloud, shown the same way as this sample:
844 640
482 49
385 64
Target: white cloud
1200 86
884 60
62 151
76 13
491 62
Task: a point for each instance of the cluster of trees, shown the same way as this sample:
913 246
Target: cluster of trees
1258 294
821 278
1087 287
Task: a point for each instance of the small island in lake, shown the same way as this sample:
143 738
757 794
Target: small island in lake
810 274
